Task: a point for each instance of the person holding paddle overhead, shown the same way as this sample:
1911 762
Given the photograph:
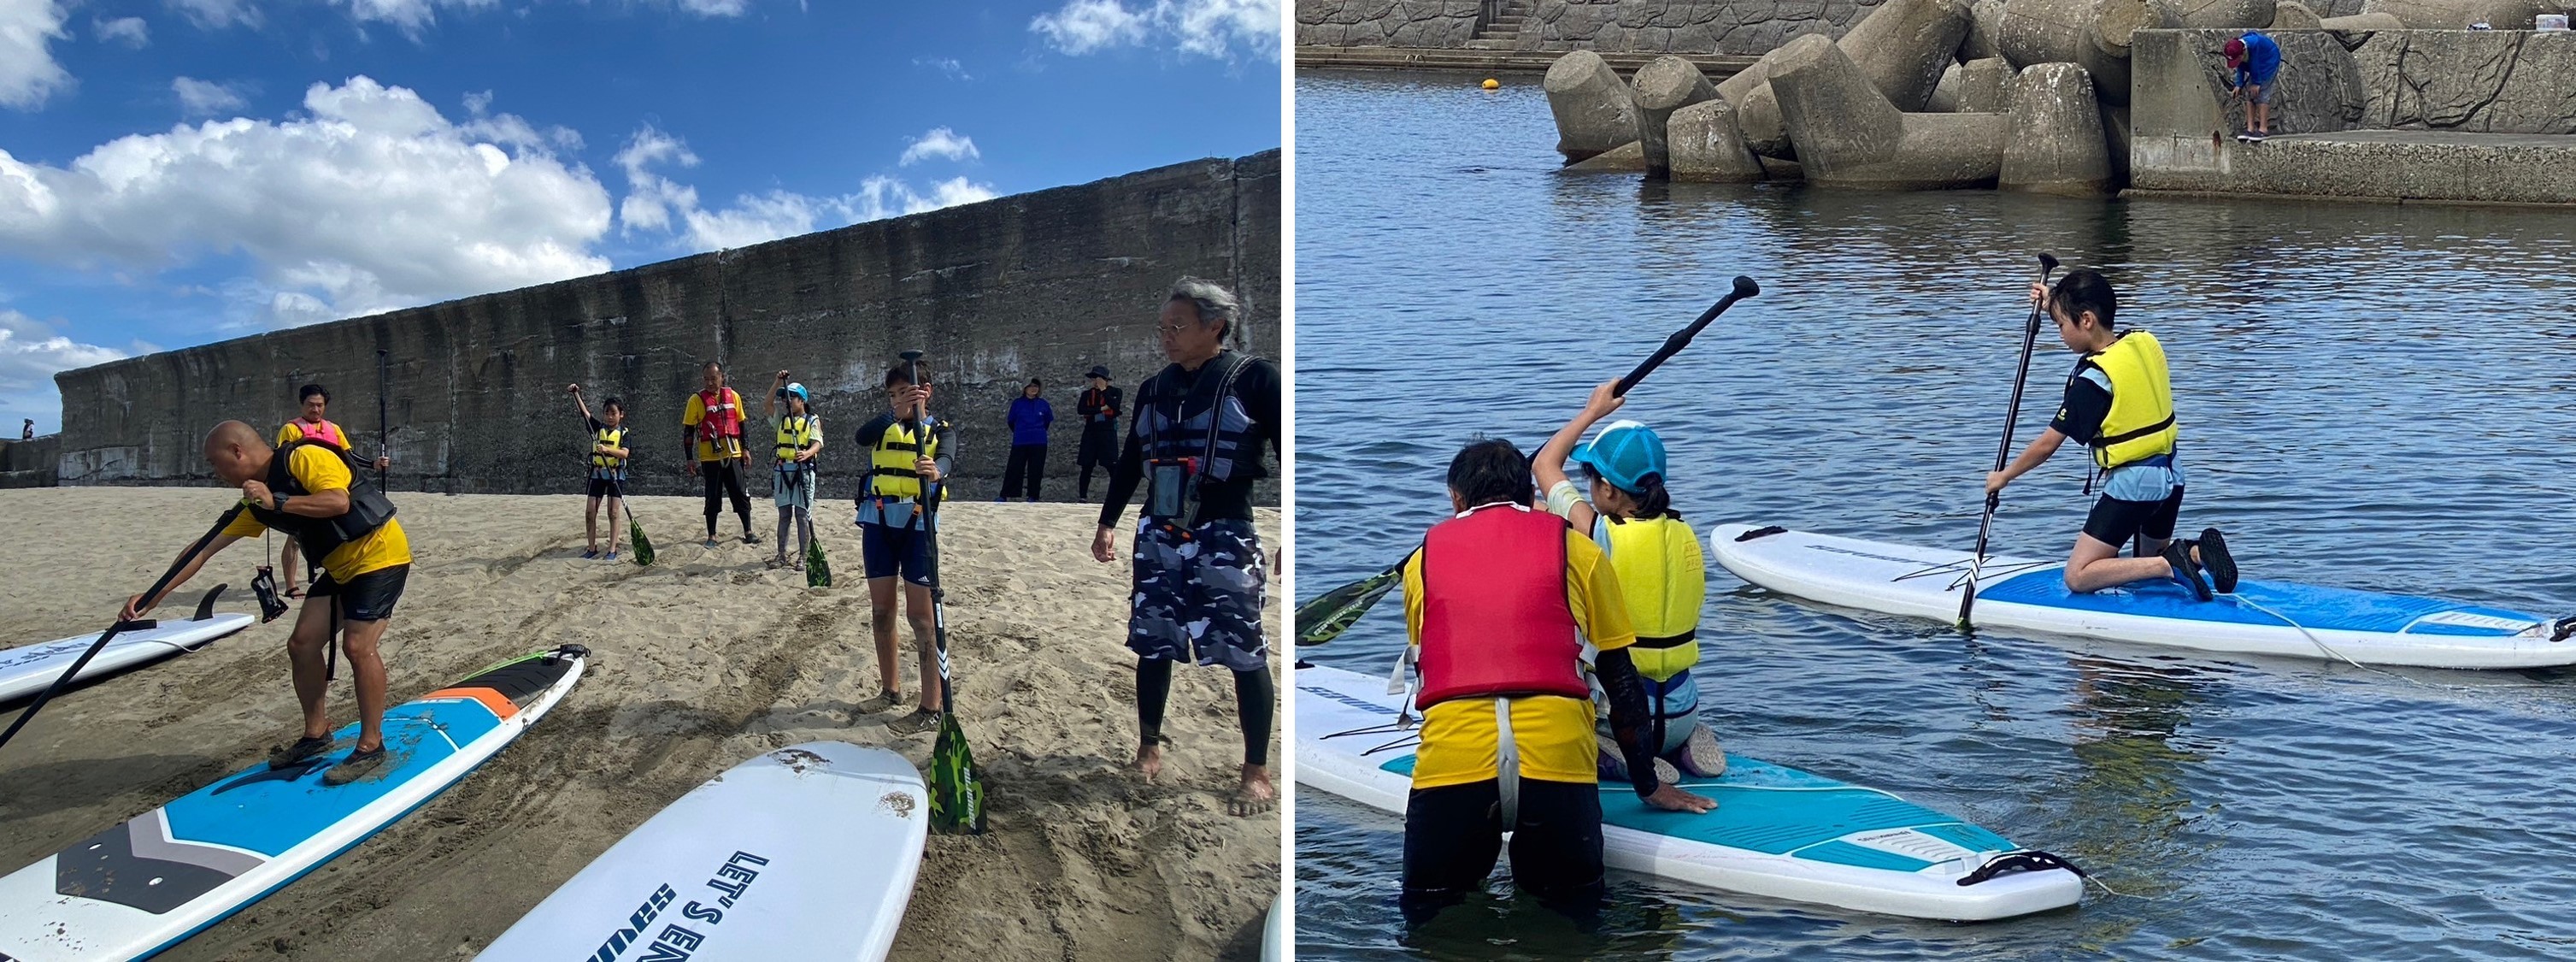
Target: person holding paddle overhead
1630 516
608 454
894 543
313 491
2119 403
1500 603
1200 578
712 423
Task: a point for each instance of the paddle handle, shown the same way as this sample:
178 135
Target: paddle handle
119 627
1744 288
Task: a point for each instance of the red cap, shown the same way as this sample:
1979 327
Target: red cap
2235 50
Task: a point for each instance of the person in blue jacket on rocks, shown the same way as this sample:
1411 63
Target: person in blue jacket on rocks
1030 415
2256 59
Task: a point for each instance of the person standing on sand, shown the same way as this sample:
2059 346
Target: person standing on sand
1098 407
608 454
313 492
1030 416
712 424
314 402
799 441
903 470
1198 568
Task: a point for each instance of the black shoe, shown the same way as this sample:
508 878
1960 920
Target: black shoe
2221 565
355 767
750 538
2178 554
295 754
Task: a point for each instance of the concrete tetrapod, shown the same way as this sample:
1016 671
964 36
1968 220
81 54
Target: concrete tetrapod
1664 85
2105 51
2226 14
2054 144
2459 14
1594 109
1849 135
1901 47
1706 146
2293 15
1985 86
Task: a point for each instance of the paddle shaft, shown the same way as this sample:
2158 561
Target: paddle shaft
2003 450
921 423
115 629
383 433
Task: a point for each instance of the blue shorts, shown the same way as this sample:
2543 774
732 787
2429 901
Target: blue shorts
1200 594
889 552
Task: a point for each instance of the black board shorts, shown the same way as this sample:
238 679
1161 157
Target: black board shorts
367 597
2114 522
607 488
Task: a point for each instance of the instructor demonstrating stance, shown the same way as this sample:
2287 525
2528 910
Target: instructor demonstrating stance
311 491
1196 445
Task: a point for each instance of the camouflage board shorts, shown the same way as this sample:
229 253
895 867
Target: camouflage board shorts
1201 591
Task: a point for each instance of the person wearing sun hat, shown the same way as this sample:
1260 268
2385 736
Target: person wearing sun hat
1098 409
799 444
1628 512
2256 60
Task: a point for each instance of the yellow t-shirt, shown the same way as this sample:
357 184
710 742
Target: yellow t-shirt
697 412
1555 733
319 470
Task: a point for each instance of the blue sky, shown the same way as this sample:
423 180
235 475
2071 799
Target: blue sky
174 172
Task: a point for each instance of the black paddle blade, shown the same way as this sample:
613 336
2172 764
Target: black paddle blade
956 785
1333 612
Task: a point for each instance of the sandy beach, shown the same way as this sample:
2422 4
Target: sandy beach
701 661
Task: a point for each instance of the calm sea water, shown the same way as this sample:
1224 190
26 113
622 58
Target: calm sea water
2372 396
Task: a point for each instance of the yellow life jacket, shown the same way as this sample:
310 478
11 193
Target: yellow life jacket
796 432
1666 582
602 465
890 461
2140 424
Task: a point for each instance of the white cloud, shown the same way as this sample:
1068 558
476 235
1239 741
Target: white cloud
1207 28
31 353
411 16
217 14
129 31
939 142
658 204
28 73
946 65
716 8
367 202
205 98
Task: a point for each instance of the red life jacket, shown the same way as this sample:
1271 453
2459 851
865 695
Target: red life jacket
1495 619
724 414
325 432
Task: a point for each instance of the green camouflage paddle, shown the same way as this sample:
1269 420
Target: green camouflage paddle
1333 612
956 785
818 572
643 548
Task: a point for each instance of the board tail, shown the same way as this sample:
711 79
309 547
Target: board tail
956 785
818 570
643 546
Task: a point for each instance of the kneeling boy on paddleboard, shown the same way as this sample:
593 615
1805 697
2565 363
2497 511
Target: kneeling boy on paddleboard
2119 403
1630 516
1500 602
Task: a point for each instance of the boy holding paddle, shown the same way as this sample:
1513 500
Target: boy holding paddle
2119 403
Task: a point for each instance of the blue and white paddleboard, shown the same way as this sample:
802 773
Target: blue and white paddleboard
29 669
804 853
2262 618
1777 831
141 887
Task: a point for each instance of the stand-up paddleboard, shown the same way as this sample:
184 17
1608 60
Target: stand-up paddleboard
804 853
29 669
1776 832
1274 946
2262 618
141 887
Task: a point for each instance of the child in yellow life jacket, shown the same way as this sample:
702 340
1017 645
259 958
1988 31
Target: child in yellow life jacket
1660 569
607 476
799 442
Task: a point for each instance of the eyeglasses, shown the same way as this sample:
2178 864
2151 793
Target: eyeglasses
1172 328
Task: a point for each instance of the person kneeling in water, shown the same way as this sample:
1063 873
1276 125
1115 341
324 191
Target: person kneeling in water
1499 602
2119 402
1661 571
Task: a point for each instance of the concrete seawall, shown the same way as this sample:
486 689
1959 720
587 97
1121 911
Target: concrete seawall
1733 27
30 463
1041 285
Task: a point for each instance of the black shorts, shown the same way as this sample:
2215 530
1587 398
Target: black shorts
604 488
2114 522
367 597
1453 834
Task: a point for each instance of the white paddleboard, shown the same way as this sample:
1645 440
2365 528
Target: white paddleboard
806 852
2262 618
1777 831
29 669
1274 943
140 887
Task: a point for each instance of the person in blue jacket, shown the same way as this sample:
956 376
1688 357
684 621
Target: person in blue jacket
1030 415
2256 59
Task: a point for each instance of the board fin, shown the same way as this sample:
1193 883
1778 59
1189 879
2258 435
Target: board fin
206 606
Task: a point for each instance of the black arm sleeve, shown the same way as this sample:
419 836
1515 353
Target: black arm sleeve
1628 716
2080 417
1123 480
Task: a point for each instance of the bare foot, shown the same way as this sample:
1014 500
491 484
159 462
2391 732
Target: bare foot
1149 761
1255 795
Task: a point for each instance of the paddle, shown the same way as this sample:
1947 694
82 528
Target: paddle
121 626
956 786
1333 612
2003 451
383 445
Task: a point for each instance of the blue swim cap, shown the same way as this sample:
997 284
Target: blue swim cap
1623 454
